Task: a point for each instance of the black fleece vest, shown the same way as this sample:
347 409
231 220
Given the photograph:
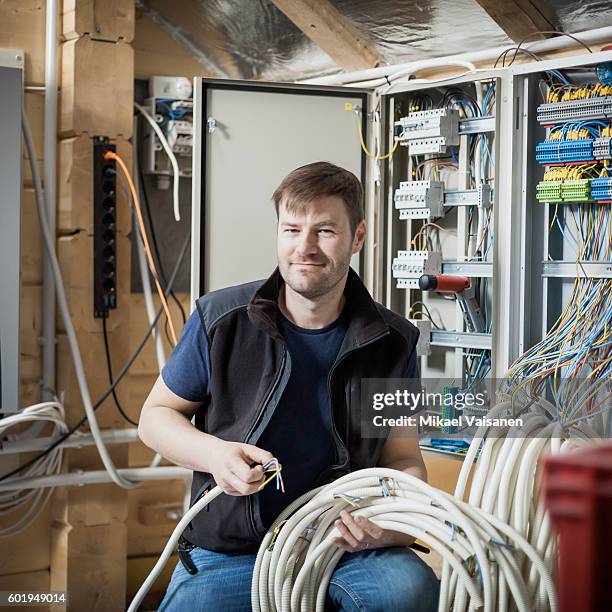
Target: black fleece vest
250 366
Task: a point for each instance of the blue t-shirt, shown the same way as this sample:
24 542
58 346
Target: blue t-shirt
300 433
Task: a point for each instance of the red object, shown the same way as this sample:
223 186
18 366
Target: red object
578 497
443 282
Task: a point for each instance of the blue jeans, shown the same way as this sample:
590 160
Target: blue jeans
384 580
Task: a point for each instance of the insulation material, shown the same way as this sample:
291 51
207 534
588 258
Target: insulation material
252 39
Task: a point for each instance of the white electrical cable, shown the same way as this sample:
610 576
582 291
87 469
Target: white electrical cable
385 83
143 264
13 501
65 312
169 153
497 548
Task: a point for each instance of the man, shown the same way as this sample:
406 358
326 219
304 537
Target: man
274 369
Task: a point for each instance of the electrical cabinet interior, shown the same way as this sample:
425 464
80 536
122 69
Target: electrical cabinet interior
562 246
438 206
170 103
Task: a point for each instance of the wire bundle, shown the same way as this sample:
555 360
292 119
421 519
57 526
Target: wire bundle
297 557
34 499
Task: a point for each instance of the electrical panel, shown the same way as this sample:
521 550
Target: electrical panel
565 188
11 103
441 184
170 103
104 227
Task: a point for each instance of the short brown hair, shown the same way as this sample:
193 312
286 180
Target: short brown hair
304 184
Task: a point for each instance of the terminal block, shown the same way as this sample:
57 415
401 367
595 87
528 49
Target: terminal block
601 189
578 190
564 151
419 199
572 110
429 131
602 148
409 266
180 136
549 191
423 346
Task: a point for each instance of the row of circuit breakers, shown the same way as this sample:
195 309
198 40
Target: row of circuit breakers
429 132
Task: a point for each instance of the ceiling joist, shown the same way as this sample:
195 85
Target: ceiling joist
519 19
332 32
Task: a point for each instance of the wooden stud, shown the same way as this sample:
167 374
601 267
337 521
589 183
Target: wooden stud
321 21
110 20
89 562
22 26
97 88
520 19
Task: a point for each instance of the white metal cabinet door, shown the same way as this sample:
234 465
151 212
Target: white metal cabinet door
247 137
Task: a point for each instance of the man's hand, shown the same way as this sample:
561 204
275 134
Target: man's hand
359 533
230 464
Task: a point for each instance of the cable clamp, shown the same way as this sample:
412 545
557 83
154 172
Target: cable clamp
387 490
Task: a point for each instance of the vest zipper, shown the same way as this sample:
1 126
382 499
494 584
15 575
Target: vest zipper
338 440
260 413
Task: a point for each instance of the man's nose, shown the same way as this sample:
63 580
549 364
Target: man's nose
307 243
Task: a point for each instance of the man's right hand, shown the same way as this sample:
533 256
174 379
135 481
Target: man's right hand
230 464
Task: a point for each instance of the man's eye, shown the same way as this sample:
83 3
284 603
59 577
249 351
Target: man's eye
325 231
290 230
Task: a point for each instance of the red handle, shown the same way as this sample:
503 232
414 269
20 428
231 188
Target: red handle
444 283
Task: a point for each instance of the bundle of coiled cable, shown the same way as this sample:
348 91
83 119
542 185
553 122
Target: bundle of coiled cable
496 557
31 502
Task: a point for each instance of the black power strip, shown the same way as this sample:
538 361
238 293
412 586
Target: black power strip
104 228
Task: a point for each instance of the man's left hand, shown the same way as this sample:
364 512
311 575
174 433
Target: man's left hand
359 533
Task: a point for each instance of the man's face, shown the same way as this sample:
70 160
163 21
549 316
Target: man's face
315 245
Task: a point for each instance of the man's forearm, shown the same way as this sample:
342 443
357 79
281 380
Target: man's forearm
175 438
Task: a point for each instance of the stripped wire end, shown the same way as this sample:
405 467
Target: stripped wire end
353 500
273 467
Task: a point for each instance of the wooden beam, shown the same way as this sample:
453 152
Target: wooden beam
520 19
321 21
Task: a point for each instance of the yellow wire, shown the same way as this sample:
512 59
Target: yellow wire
365 149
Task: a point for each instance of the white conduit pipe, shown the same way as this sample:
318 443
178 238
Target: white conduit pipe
143 264
50 173
80 478
171 157
297 556
598 35
76 440
65 312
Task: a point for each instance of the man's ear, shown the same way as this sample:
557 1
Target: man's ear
360 234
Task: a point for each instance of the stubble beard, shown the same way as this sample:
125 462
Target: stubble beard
319 286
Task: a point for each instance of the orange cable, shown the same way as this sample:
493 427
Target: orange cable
112 155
